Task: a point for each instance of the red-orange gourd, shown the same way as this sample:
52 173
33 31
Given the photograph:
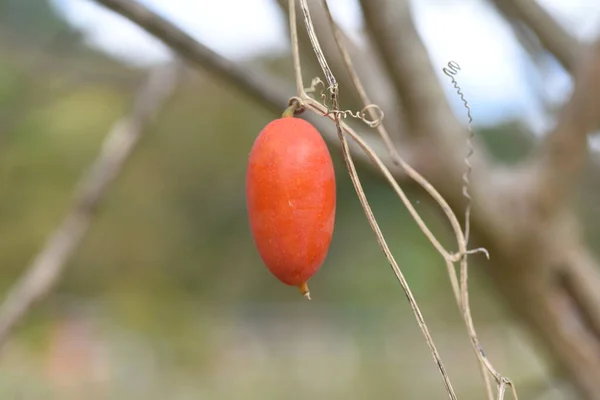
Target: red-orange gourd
291 197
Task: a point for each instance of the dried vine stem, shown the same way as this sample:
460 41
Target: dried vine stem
501 381
460 291
462 300
450 71
464 305
333 87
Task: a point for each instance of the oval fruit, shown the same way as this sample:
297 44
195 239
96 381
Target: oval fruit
291 199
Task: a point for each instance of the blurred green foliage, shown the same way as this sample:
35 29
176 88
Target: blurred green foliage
31 20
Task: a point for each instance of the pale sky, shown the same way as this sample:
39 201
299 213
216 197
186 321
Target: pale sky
494 76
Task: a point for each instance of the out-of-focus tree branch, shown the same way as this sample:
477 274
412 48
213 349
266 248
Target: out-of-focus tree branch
271 92
263 88
405 57
565 149
328 45
553 36
536 52
47 267
526 37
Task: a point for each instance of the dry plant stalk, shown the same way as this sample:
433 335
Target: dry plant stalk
333 88
460 289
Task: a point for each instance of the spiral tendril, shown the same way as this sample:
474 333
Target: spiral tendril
451 70
362 115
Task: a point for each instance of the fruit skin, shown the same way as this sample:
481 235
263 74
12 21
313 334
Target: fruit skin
291 199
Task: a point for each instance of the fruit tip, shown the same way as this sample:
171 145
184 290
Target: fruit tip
304 290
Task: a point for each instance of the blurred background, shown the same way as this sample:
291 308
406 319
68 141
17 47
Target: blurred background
167 296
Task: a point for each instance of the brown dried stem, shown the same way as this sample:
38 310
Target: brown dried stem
367 64
461 293
552 35
565 149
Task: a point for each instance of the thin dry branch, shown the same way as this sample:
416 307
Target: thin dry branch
411 68
321 26
48 266
462 297
551 34
391 148
367 64
565 148
334 97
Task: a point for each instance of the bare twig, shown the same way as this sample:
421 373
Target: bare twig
366 63
356 82
450 71
552 35
47 267
397 159
566 148
413 76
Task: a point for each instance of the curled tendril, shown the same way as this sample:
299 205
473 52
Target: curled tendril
451 70
372 115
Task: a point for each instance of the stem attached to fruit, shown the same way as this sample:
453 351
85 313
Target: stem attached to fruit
294 108
304 290
289 112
